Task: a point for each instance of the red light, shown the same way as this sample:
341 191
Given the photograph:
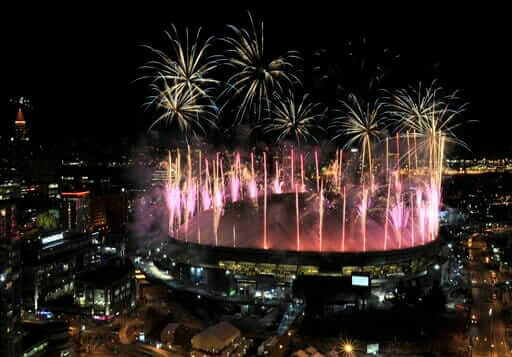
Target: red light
459 307
76 194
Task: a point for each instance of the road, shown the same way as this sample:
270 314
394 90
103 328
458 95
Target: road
489 333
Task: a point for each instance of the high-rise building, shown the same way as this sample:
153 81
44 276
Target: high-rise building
51 261
109 211
76 211
9 190
20 126
10 284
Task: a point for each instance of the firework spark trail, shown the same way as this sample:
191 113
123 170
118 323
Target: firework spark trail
252 186
343 220
191 201
408 153
235 186
317 172
297 216
321 215
398 153
399 216
387 157
415 151
302 185
199 162
276 184
420 209
363 211
397 212
412 218
265 228
387 215
336 171
255 76
432 211
340 173
292 171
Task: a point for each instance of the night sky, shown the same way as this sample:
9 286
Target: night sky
78 64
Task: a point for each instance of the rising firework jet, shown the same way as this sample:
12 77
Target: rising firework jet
295 119
255 76
183 106
361 125
188 66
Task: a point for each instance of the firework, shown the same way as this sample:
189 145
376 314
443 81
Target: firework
188 67
426 111
295 119
255 76
431 115
182 106
361 125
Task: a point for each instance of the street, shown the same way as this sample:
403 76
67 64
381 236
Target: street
488 334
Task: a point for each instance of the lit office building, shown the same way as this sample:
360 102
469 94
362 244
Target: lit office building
9 190
53 191
10 287
109 212
107 290
51 263
77 211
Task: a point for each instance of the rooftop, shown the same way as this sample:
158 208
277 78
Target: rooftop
215 338
105 274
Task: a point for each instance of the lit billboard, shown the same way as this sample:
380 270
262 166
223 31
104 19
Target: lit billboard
360 280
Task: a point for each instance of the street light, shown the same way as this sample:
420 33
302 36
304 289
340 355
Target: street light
348 348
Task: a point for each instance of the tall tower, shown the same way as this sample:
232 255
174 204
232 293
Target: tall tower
20 126
10 282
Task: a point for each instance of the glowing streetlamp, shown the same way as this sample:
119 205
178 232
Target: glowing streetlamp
348 348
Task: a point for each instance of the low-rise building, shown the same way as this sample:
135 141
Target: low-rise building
222 339
107 290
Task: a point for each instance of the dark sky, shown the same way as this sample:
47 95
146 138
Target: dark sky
77 63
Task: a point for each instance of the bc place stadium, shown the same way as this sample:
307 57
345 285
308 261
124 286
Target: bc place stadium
261 226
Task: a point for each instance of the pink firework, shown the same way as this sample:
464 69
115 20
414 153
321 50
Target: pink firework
363 211
235 187
433 202
420 212
253 189
191 199
276 184
398 217
206 199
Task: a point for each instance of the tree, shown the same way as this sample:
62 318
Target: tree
46 221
